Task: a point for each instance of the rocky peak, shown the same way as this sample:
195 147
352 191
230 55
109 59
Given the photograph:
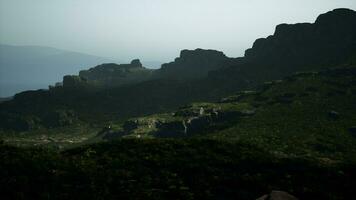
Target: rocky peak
340 15
308 43
136 63
191 54
193 64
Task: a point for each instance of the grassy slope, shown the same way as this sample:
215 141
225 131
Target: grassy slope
295 117
291 143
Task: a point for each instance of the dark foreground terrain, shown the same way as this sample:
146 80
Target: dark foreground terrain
169 169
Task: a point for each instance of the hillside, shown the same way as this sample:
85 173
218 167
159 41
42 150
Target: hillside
242 147
193 64
305 113
166 89
278 123
109 75
296 47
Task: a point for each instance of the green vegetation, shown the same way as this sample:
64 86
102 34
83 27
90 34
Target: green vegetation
100 138
167 169
296 140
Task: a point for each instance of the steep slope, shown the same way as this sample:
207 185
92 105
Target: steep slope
110 75
297 47
192 64
305 114
328 43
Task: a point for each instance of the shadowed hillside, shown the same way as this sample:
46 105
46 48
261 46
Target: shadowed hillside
278 123
329 42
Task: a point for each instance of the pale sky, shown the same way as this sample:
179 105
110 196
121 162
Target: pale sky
154 30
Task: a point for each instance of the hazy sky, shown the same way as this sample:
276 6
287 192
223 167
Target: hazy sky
151 29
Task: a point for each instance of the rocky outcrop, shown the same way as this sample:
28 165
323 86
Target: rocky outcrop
111 74
330 41
72 81
308 44
136 63
278 195
192 64
333 115
188 121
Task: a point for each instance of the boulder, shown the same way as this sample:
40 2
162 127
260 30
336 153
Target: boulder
277 195
136 63
333 115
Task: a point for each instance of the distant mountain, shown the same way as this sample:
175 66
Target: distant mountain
110 75
191 65
33 67
197 75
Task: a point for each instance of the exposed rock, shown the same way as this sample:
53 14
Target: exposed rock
333 115
295 47
111 74
278 195
73 81
136 63
193 64
58 84
201 111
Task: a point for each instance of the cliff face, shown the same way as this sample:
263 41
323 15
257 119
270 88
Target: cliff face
330 40
111 75
192 64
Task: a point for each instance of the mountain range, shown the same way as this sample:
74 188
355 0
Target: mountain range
278 122
197 75
36 67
